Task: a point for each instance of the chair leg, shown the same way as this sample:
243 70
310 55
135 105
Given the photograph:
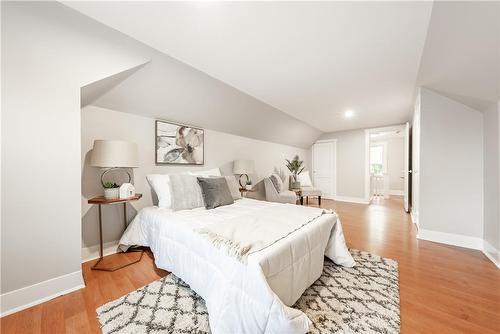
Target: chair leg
307 200
319 200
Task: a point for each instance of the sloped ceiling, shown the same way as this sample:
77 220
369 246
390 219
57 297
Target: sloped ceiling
461 57
312 60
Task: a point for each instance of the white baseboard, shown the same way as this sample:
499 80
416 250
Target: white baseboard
491 253
92 252
451 239
20 299
395 192
359 200
414 218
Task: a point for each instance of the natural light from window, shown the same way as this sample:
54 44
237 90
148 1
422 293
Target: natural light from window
377 160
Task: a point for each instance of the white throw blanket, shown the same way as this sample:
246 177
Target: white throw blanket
252 232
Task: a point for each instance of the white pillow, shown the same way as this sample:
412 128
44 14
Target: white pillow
210 172
234 187
161 186
305 179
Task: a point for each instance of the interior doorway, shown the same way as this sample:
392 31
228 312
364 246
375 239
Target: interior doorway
388 164
324 167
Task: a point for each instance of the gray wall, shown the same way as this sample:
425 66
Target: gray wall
48 53
221 149
350 162
451 166
491 231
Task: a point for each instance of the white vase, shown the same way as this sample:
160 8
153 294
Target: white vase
111 193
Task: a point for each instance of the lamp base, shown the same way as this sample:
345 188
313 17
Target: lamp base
115 168
243 185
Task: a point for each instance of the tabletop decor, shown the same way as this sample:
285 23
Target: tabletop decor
243 167
178 144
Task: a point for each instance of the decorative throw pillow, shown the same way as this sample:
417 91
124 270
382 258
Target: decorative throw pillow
215 192
234 187
305 179
160 185
277 182
185 192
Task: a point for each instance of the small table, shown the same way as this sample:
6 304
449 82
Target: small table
298 192
100 200
243 191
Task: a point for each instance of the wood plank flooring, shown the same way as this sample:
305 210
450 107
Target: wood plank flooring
443 289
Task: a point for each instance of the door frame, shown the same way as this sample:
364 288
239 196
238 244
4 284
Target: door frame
334 164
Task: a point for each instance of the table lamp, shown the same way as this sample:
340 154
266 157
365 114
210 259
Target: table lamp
113 155
243 167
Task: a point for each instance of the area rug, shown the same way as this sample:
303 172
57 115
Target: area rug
363 299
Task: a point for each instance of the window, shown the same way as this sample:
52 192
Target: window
378 158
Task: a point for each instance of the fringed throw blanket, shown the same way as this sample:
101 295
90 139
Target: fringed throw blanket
241 236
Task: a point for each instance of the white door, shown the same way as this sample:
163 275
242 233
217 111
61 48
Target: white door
406 174
324 155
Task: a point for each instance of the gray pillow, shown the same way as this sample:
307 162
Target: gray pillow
185 192
277 182
215 192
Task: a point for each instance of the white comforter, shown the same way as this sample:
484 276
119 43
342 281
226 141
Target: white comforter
241 298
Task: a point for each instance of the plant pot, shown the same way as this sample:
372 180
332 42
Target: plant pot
295 185
248 187
111 193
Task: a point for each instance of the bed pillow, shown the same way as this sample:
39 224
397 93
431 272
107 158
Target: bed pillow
277 182
185 192
210 172
234 186
305 179
160 185
215 192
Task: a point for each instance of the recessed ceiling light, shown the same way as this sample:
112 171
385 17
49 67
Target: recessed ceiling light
348 113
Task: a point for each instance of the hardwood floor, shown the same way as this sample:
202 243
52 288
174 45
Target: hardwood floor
443 289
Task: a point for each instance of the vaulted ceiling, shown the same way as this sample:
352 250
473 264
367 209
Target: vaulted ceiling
315 60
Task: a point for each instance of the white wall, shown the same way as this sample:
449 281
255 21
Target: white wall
395 161
48 53
491 233
350 163
221 149
451 169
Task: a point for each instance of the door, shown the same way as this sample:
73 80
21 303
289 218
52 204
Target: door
324 155
407 171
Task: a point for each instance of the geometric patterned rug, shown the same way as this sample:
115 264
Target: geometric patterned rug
363 299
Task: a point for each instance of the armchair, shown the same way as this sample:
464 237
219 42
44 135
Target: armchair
272 195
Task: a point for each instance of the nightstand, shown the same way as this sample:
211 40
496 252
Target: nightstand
100 201
244 191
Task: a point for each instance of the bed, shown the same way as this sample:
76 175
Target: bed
254 296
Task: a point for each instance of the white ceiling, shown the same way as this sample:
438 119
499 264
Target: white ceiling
314 60
461 57
310 60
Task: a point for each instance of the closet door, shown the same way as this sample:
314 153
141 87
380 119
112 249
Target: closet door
324 165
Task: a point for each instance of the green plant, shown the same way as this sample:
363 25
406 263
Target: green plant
249 182
110 185
295 167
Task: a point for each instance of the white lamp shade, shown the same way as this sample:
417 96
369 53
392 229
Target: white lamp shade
114 153
243 167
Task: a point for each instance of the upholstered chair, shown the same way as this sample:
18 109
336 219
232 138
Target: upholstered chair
272 195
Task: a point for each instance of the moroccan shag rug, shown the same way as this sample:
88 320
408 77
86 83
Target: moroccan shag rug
363 299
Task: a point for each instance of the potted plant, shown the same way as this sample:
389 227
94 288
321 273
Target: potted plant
295 167
111 190
248 185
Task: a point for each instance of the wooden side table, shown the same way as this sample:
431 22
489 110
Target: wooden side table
244 191
100 200
298 192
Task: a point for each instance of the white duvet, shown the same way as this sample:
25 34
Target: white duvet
241 298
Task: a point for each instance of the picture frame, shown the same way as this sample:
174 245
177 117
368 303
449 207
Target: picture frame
179 144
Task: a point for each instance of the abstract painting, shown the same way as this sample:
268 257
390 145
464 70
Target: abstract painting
179 144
